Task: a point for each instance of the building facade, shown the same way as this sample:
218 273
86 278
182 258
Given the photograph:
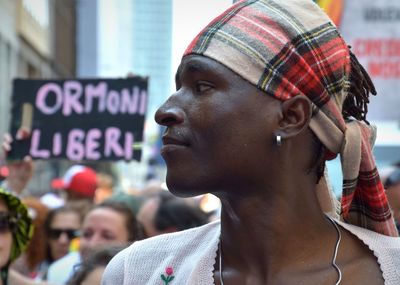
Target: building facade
37 40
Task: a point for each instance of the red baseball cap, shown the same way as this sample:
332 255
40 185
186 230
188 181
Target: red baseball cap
4 171
78 179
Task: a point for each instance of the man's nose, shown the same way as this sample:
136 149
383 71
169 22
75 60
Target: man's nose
169 113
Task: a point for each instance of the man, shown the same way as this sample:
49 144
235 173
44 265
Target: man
265 94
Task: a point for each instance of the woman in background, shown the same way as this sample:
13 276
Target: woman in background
30 263
15 231
55 238
62 226
109 223
91 270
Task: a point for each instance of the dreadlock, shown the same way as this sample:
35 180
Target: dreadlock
361 86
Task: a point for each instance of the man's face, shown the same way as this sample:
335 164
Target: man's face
219 129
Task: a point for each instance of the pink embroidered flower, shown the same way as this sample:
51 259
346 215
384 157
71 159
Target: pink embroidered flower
169 271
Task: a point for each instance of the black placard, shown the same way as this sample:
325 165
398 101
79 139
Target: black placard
79 119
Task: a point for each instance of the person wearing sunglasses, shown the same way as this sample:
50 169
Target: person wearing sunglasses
30 263
15 231
70 233
61 226
109 223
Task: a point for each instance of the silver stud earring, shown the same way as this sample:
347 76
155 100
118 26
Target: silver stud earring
278 140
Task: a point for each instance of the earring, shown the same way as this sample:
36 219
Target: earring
278 140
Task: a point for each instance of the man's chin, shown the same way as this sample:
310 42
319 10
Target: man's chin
183 190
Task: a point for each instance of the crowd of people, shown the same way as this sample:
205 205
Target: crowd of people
265 94
74 233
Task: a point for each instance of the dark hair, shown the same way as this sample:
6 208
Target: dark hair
67 208
176 213
37 250
361 86
135 231
98 258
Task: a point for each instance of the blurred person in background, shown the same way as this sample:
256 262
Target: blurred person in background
392 186
133 201
78 183
152 187
62 226
90 271
135 198
105 187
165 213
32 262
106 224
16 230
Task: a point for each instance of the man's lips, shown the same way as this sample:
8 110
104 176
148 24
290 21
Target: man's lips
171 140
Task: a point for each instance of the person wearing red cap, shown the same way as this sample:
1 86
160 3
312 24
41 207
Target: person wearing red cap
79 182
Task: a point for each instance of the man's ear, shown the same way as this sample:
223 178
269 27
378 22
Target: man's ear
296 116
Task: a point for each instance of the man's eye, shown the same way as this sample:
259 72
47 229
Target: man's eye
202 87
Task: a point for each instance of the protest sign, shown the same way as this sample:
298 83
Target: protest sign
79 119
372 29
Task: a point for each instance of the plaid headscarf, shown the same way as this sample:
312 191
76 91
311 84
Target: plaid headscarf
289 48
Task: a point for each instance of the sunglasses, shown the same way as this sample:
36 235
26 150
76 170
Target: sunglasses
8 223
56 233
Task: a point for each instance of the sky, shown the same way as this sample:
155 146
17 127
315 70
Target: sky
190 16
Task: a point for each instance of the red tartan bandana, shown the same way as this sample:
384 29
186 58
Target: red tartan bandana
290 47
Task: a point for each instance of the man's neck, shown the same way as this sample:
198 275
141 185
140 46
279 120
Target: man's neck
264 235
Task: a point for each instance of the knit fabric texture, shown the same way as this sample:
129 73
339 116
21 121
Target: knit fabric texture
191 255
289 48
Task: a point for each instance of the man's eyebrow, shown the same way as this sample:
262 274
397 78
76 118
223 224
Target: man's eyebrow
192 67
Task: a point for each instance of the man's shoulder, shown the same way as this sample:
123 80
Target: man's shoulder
386 250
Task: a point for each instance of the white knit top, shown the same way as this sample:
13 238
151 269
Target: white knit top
191 255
